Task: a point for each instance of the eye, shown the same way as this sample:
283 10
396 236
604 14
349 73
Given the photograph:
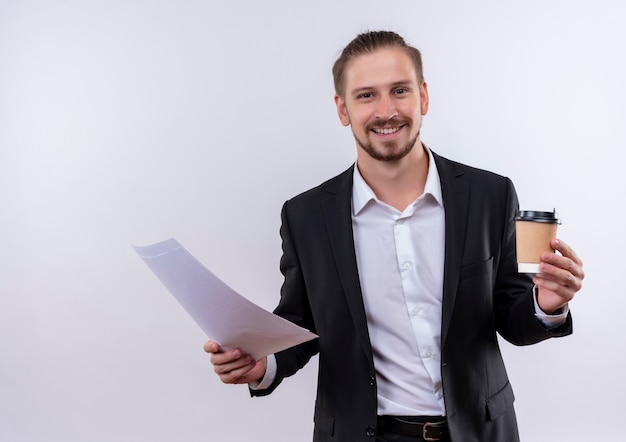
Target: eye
401 91
365 96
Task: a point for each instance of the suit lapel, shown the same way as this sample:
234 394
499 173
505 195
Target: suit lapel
455 191
337 204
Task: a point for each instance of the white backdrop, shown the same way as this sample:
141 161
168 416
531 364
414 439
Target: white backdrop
129 122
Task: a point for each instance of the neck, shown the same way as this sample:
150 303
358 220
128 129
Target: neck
397 183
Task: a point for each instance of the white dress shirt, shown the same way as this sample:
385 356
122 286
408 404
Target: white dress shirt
400 258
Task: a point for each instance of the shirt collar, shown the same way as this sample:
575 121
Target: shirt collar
362 193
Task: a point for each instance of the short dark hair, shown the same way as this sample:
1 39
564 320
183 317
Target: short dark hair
368 42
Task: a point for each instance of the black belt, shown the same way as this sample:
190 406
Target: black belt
429 430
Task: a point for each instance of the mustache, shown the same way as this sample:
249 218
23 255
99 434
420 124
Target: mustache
394 122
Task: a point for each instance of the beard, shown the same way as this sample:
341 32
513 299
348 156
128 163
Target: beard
391 150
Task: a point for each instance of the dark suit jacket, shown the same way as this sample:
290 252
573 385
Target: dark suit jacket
482 294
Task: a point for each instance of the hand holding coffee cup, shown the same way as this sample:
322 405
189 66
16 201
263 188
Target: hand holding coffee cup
534 230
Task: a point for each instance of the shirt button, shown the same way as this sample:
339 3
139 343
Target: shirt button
439 394
428 354
370 431
406 265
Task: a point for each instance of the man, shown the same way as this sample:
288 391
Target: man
405 267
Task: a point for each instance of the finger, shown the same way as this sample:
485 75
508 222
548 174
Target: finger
227 357
565 250
227 367
212 347
558 279
235 373
562 269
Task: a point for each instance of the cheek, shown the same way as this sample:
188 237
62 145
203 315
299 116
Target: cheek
361 119
413 109
412 112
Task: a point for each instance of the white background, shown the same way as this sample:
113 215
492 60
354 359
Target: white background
129 122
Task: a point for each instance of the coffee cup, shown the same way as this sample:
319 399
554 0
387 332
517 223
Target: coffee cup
534 230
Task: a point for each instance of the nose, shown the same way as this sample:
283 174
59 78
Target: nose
386 109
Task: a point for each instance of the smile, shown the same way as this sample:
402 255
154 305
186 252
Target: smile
387 130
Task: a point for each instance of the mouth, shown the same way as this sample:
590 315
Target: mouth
383 131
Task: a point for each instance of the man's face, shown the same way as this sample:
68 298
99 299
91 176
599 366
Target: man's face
383 103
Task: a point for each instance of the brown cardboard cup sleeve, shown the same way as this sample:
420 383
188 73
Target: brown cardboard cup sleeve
534 230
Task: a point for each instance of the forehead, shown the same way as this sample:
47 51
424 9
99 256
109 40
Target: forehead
379 68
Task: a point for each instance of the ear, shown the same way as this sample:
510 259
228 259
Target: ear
424 98
342 111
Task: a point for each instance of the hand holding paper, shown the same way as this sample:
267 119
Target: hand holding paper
223 314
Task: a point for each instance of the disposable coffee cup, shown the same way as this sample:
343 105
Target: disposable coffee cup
534 230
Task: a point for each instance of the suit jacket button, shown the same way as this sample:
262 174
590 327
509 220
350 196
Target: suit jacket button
370 431
372 381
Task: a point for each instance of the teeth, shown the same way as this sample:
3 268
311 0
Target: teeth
387 131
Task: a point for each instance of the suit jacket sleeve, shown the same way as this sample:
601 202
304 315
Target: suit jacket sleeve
513 298
293 306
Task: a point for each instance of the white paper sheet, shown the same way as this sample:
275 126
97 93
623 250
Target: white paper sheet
223 314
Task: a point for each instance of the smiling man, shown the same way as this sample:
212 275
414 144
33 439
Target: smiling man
405 267
382 97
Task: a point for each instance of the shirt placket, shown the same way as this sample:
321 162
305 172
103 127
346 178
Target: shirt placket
417 307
